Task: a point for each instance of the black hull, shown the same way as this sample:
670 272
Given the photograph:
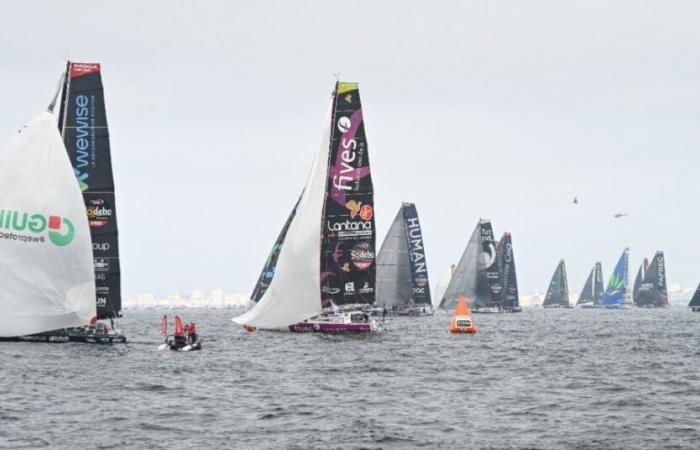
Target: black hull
179 345
63 338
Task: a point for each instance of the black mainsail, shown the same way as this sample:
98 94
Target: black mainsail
402 271
639 279
476 277
83 125
348 270
506 267
558 291
653 291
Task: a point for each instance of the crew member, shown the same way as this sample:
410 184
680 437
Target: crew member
192 331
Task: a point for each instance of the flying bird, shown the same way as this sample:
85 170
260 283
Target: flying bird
618 215
575 200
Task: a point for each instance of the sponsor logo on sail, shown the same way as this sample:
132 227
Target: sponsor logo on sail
98 214
60 231
366 289
350 229
330 290
362 255
344 124
101 246
349 288
366 212
83 141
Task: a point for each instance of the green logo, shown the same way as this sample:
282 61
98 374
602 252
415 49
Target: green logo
61 231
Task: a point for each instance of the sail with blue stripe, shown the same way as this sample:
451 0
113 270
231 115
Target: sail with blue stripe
616 294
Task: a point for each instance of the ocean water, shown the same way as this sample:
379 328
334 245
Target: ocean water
543 379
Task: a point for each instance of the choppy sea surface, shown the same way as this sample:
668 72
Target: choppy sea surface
543 379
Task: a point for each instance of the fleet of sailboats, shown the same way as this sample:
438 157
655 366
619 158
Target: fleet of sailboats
58 224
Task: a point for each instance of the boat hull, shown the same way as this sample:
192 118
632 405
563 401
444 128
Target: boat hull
695 308
590 306
487 310
621 306
62 338
313 326
513 309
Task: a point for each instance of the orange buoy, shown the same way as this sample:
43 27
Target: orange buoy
462 321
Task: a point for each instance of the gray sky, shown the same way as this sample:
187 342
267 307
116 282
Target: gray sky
495 109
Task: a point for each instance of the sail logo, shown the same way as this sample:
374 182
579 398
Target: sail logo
350 226
98 214
347 156
344 124
415 238
660 271
362 255
82 141
61 231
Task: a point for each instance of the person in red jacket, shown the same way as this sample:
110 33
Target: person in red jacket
192 332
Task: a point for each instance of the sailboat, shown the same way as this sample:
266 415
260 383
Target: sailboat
616 295
320 275
462 321
639 279
695 301
558 292
477 277
506 269
592 291
650 284
47 269
402 272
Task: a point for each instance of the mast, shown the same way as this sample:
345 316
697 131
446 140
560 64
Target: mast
348 240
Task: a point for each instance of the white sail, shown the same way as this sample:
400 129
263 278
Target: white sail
294 294
46 267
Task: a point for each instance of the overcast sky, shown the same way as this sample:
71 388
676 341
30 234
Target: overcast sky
495 109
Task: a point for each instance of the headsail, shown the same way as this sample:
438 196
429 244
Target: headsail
83 124
476 276
46 269
616 292
402 272
587 294
558 291
268 270
652 291
506 266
